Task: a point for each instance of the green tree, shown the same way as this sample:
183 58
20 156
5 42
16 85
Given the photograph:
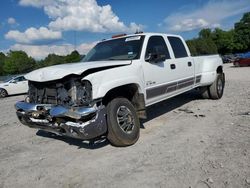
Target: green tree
73 57
242 33
2 59
224 41
192 47
52 59
205 33
18 62
204 44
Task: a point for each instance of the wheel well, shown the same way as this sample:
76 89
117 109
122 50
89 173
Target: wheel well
130 92
4 90
219 69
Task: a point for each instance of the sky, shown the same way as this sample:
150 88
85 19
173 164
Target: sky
40 27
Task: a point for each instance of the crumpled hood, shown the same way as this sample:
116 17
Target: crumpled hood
60 71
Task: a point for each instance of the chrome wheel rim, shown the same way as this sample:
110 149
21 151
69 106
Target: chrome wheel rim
220 86
125 119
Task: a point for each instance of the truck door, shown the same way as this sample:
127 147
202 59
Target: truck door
159 77
183 63
169 77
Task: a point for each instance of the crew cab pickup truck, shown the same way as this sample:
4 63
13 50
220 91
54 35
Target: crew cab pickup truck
108 92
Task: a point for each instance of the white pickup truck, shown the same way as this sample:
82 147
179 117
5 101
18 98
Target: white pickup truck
109 90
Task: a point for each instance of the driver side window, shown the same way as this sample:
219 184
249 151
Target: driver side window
157 45
20 79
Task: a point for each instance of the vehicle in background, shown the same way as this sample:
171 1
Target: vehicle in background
243 60
13 86
229 58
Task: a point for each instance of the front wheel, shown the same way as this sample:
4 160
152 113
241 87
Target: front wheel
123 123
3 93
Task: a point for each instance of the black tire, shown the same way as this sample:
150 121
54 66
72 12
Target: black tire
122 134
217 88
204 91
3 93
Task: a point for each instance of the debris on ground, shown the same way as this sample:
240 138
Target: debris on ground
210 180
248 180
244 114
186 110
199 115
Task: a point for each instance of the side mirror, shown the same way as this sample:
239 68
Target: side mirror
13 81
155 57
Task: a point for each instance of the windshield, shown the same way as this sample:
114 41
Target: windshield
126 48
7 80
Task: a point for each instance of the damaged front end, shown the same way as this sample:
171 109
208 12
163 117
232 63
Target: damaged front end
64 107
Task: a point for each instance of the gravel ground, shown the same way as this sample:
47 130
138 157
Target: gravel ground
186 142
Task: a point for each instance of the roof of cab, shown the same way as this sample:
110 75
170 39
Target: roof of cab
138 34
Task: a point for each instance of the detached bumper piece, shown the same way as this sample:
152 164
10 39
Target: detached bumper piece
77 122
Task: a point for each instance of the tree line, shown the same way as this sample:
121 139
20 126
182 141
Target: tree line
215 41
208 42
18 62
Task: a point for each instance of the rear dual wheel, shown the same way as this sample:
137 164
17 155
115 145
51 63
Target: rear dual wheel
216 90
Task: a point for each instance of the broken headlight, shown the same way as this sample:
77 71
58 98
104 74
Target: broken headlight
83 92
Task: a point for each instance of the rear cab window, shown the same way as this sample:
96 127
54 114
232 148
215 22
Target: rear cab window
178 47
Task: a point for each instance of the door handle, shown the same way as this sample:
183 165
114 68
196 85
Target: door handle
189 64
172 66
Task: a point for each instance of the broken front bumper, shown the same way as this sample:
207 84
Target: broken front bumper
76 122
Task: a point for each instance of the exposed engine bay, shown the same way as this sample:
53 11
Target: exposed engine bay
70 91
64 107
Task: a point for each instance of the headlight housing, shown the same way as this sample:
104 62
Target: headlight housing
83 92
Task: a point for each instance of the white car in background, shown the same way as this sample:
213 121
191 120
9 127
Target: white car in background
13 86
